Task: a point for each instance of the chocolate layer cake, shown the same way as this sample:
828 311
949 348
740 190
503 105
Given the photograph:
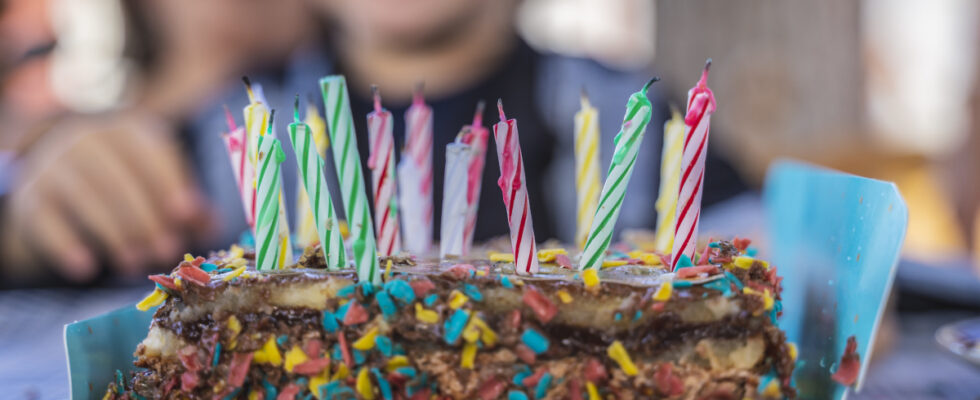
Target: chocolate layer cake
470 330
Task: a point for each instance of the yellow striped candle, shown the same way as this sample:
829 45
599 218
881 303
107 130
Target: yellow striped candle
306 233
670 180
588 184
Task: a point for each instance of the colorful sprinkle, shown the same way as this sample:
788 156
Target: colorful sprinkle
356 314
543 308
382 382
614 263
233 274
549 255
747 262
564 297
387 306
453 327
401 291
329 322
347 291
270 391
684 262
364 387
426 316
590 277
541 389
152 300
535 341
397 362
593 392
421 286
366 342
468 356
473 292
457 299
767 300
387 275
792 350
523 373
617 352
384 345
501 257
268 354
682 284
217 354
506 282
430 299
516 395
294 357
208 267
663 292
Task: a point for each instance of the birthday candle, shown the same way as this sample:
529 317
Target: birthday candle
382 165
627 144
670 177
415 176
587 180
315 185
306 232
697 121
348 164
476 136
454 205
236 142
513 186
269 156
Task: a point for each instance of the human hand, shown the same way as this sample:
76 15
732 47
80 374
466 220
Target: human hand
110 188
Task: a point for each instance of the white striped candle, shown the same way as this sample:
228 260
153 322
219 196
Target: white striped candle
454 204
588 184
476 136
700 106
236 142
382 164
415 177
513 186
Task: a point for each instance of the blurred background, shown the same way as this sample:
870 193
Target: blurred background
110 114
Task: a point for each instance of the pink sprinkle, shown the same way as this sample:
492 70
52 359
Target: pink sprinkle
188 381
312 348
193 274
169 385
563 261
532 380
543 308
594 371
850 364
658 306
574 389
188 357
312 367
164 281
344 350
492 388
461 271
525 353
668 384
198 261
421 286
515 319
239 369
692 272
421 395
356 314
289 392
741 243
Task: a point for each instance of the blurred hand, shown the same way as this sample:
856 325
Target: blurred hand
111 188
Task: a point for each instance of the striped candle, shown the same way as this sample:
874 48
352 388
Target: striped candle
382 165
476 136
454 204
306 232
269 157
236 142
670 178
315 184
587 180
697 121
348 165
513 186
627 147
415 176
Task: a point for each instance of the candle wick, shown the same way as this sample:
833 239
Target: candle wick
704 73
272 116
248 89
228 118
377 98
650 82
418 96
500 109
584 98
296 109
478 115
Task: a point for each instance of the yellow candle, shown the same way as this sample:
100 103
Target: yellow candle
670 178
588 184
306 233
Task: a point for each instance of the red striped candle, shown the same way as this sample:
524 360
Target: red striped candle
382 165
236 141
697 121
513 185
415 176
476 136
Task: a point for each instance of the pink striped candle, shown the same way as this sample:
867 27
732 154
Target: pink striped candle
697 121
382 165
236 141
513 186
476 136
415 176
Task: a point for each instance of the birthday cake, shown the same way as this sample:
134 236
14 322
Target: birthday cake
467 330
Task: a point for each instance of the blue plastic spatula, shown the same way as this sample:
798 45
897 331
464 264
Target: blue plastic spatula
835 238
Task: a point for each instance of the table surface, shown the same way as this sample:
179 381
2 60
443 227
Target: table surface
33 366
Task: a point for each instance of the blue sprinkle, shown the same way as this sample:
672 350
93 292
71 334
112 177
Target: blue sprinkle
400 290
472 273
337 353
542 387
119 380
224 270
524 372
309 396
329 322
430 299
734 279
302 382
506 282
399 350
575 277
387 306
382 384
619 317
681 284
684 262
208 267
217 354
453 327
722 285
472 292
384 345
347 291
714 245
533 339
769 377
246 239
616 254
751 251
233 394
270 391
358 356
281 340
516 395
637 315
408 372
342 311
367 288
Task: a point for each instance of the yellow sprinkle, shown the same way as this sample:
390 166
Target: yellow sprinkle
233 274
427 316
364 384
341 372
617 352
469 354
591 278
366 342
772 390
236 251
516 281
481 273
234 326
457 299
344 230
152 300
746 262
388 270
471 333
767 301
663 292
645 258
253 395
487 335
188 257
294 357
549 255
564 297
614 263
109 394
319 380
501 257
593 392
178 282
238 262
793 352
268 354
397 362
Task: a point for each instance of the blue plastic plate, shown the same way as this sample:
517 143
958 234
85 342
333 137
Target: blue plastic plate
97 347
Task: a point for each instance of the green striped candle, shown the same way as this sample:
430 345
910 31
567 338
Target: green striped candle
348 164
269 158
627 145
315 184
